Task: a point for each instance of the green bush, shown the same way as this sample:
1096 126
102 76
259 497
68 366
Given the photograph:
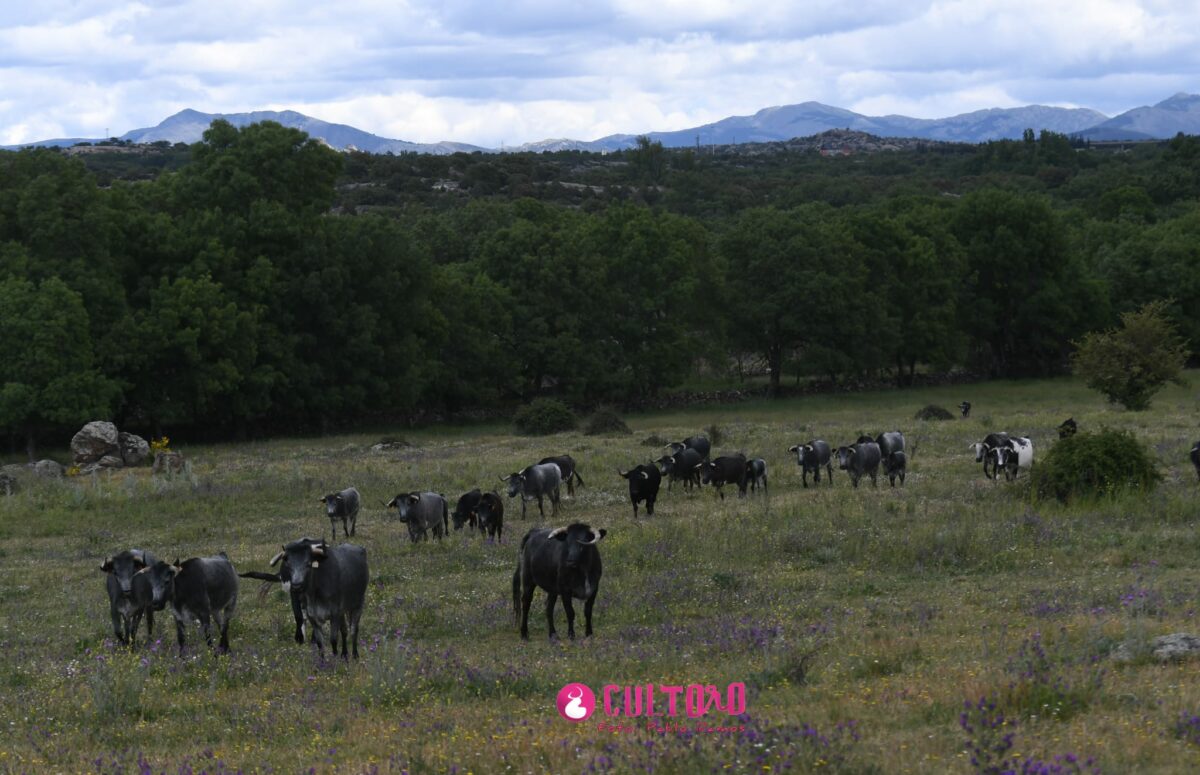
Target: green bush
605 420
1131 363
1094 465
933 412
544 416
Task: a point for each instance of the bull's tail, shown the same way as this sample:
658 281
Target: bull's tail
445 518
578 478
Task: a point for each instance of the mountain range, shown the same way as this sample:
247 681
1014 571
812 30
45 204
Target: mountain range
1179 113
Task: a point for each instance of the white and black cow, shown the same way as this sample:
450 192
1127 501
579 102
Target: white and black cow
424 513
564 561
860 459
982 449
811 457
333 581
200 589
535 483
1011 458
129 594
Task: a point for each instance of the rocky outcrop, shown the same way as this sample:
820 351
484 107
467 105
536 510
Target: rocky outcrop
134 449
93 442
48 469
1165 648
168 463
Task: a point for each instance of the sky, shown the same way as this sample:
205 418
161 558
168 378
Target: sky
504 73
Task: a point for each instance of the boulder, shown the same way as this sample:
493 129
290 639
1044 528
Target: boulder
168 462
94 441
8 483
1165 648
134 449
48 469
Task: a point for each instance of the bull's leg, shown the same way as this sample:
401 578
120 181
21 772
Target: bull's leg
551 597
526 601
571 486
354 632
816 475
650 507
854 481
298 615
353 522
587 613
635 509
131 625
829 469
522 507
765 491
318 635
721 491
206 625
874 482
541 511
555 497
179 632
345 630
149 625
570 609
118 624
333 529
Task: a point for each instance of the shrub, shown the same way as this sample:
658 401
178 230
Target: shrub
605 420
1131 363
1093 465
544 416
933 412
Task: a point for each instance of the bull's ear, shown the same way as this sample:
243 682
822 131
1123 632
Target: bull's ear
107 565
275 560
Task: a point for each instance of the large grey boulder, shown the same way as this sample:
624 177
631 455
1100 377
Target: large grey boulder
134 449
1165 648
48 469
94 441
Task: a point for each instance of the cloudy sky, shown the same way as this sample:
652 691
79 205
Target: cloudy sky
523 70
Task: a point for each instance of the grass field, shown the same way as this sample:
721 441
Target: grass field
861 621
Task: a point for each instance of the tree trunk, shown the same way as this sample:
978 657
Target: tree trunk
31 443
775 364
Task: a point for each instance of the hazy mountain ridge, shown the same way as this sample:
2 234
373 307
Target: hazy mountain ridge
1179 113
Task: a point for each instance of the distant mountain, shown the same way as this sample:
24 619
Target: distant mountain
1180 113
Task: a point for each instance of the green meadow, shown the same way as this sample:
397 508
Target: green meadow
860 620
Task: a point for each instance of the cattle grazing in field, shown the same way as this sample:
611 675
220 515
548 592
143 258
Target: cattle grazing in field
644 481
1012 457
464 511
423 512
965 408
896 465
564 561
200 589
344 506
283 577
982 448
535 483
756 474
567 469
1068 428
728 469
811 457
490 515
699 443
129 593
860 459
333 583
683 465
1195 455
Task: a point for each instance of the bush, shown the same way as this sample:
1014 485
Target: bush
933 412
544 416
1093 465
1131 363
605 420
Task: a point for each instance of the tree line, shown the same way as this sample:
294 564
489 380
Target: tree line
249 291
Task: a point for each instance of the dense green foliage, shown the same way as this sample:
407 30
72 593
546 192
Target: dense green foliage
264 282
544 416
1128 365
1093 465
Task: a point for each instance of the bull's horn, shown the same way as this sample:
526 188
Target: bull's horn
556 532
319 550
275 560
645 475
505 478
794 448
596 536
320 500
621 473
143 570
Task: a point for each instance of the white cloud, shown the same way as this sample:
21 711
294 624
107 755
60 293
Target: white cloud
484 73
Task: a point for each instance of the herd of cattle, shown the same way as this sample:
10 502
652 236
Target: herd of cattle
327 584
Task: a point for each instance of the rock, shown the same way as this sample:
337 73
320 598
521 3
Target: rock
48 469
8 483
110 461
168 462
134 449
94 441
1165 648
387 444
